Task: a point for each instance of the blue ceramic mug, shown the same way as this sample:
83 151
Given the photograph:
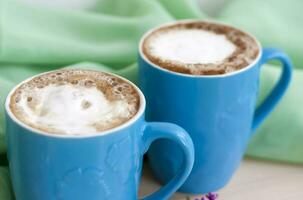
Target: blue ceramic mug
90 166
218 111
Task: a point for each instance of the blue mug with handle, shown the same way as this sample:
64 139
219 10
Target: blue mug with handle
90 166
218 111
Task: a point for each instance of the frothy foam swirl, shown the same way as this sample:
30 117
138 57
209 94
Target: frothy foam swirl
75 102
191 46
200 48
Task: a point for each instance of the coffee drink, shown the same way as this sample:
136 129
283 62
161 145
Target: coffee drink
200 48
75 102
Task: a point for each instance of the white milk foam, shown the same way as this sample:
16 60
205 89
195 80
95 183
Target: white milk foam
200 48
73 108
191 46
62 107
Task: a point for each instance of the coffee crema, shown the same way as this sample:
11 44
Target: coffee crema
200 48
75 102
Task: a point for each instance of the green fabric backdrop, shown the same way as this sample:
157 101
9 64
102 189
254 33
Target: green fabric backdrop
276 23
36 38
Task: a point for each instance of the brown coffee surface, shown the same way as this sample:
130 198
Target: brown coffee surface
246 49
75 101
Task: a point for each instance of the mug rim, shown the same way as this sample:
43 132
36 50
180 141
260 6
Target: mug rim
116 129
143 56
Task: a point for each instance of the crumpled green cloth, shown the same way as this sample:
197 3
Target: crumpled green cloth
37 38
276 23
5 189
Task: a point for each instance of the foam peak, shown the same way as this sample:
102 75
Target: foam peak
75 102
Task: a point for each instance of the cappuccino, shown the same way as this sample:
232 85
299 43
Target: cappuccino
75 102
200 48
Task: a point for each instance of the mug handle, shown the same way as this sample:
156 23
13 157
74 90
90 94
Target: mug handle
161 130
278 91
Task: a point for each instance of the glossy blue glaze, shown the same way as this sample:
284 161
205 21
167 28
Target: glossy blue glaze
95 166
217 111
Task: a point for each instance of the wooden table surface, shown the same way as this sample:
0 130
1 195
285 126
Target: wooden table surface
255 179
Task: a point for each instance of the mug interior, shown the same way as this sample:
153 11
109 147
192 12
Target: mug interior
144 57
109 131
